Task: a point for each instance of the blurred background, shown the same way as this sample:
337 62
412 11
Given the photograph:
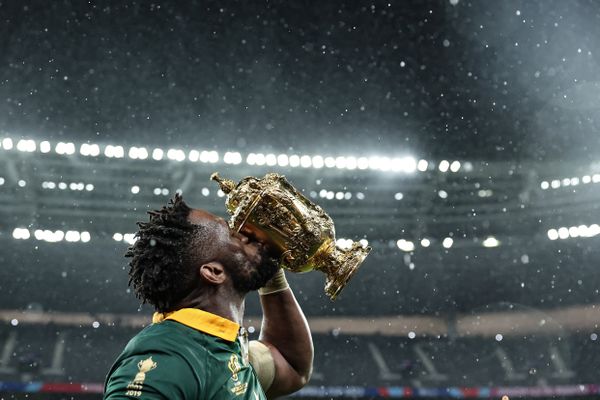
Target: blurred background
460 139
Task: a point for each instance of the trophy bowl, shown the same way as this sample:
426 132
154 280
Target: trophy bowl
276 213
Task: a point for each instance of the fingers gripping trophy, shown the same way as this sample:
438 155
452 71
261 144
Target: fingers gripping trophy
276 213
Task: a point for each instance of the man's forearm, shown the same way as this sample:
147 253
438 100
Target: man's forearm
285 327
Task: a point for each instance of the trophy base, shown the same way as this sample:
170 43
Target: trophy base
346 264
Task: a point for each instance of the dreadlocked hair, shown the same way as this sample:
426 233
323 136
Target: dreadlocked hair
159 272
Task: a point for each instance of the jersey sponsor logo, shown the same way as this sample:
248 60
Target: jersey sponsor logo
135 387
234 366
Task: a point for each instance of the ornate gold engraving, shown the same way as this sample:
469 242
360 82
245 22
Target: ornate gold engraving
303 233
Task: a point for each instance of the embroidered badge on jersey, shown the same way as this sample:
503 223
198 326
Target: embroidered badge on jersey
135 387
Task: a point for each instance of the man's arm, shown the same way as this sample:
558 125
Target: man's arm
286 333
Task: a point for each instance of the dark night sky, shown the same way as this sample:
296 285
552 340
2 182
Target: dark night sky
470 80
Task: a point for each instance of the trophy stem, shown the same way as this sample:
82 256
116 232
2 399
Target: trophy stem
339 265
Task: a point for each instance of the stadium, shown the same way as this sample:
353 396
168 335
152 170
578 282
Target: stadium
458 139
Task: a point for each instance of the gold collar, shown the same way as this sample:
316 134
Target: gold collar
202 321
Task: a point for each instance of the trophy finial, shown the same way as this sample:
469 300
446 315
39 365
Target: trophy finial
226 185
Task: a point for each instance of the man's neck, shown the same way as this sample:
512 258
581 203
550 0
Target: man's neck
229 306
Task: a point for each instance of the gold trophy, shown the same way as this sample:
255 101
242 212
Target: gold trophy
273 210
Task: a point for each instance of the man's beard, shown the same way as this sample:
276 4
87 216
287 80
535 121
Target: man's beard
247 277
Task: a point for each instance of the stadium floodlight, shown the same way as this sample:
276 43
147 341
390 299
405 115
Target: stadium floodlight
21 233
271 159
2 180
362 163
135 189
213 157
205 192
260 159
339 196
385 164
545 185
552 234
85 236
283 160
363 242
7 143
72 236
45 147
194 155
596 178
443 194
22 183
294 160
129 238
351 163
405 245
455 166
232 157
574 181
563 232
118 237
425 242
360 195
251 159
26 145
330 195
305 161
343 243
422 165
444 165
329 162
586 179
340 162
566 182
574 231
398 196
491 241
409 164
447 242
176 155
158 154
347 195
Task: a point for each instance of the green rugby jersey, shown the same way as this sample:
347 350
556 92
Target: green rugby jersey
191 354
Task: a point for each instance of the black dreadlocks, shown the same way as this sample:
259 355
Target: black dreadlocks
160 271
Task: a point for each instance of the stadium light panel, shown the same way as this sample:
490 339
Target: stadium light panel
157 154
552 234
283 160
455 166
7 143
45 147
305 161
294 160
271 160
405 245
444 165
491 241
447 242
422 165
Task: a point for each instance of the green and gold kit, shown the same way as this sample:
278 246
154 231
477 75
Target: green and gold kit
190 354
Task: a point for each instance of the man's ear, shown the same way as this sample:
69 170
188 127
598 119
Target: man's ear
212 273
